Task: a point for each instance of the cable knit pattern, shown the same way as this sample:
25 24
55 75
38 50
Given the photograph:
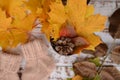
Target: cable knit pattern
9 66
38 64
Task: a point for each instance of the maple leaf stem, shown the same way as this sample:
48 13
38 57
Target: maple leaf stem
107 54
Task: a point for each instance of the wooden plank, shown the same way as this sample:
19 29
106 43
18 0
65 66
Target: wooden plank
104 7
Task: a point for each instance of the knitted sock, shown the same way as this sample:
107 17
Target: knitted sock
38 64
9 66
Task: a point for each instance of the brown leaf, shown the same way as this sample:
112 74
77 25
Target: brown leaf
85 69
100 50
110 73
106 76
88 51
114 28
115 56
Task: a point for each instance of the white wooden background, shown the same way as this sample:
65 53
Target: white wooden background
105 7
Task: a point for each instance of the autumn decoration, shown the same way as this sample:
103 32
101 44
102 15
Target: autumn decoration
69 26
75 20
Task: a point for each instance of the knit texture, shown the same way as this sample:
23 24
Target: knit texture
9 66
39 64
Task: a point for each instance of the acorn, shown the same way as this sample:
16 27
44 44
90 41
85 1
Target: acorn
67 30
79 41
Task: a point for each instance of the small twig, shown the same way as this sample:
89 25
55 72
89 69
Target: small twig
107 54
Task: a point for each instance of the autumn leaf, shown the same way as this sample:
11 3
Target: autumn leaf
115 55
47 29
14 32
55 21
38 7
4 25
13 8
4 21
23 28
82 18
33 4
26 24
114 27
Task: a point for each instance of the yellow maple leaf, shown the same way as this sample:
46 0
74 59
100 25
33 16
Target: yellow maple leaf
14 32
3 20
26 23
14 8
44 19
34 4
54 22
80 15
4 29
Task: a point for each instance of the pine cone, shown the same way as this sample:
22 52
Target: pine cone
63 46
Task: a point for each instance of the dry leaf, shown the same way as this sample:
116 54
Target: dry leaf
85 69
110 73
114 28
106 76
101 50
115 56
